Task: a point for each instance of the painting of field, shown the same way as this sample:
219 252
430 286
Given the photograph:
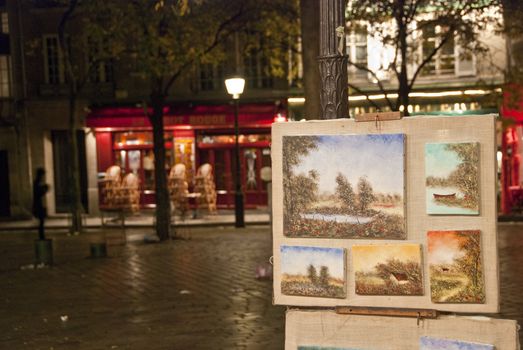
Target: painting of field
430 343
313 271
388 269
344 186
456 269
452 178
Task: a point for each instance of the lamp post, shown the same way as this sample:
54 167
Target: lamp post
235 88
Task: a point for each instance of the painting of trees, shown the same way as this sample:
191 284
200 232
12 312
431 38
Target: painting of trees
452 178
345 192
466 175
327 194
365 194
299 190
455 264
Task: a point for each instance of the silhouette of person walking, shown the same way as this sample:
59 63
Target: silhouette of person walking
40 188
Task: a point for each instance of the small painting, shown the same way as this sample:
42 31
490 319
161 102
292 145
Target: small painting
452 178
430 343
325 348
344 186
388 269
313 271
456 269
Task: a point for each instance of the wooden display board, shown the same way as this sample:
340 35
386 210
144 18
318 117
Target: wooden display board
417 133
328 330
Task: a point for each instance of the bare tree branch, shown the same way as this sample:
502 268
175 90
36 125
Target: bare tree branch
360 91
378 81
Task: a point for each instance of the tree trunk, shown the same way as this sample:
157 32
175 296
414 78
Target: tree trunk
163 204
75 190
310 37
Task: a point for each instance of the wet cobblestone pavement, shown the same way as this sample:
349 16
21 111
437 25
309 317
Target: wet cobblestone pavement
194 293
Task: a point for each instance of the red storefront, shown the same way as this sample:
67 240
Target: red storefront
512 150
193 136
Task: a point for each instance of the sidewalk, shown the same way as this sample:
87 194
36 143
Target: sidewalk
196 292
143 219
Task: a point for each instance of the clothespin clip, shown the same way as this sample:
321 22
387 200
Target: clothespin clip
340 33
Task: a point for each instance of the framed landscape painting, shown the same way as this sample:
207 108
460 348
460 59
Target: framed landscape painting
344 186
388 269
456 267
313 271
452 178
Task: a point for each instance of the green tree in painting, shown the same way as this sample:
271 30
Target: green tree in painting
312 274
323 280
466 176
345 192
365 194
299 190
470 262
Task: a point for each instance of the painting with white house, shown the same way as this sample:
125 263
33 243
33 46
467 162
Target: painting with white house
344 186
388 269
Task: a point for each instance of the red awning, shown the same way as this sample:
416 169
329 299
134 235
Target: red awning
196 117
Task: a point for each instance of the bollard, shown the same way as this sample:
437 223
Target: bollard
98 250
44 251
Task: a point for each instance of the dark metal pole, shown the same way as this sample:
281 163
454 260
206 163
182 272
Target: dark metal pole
332 62
238 195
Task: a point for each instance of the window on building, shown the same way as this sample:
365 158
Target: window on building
211 76
257 70
357 51
444 62
4 22
100 69
53 60
5 76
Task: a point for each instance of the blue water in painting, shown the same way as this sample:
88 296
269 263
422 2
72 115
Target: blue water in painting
429 343
435 208
346 219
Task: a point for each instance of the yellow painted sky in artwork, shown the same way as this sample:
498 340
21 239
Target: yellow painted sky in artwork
365 257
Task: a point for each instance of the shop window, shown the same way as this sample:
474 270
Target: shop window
219 139
132 138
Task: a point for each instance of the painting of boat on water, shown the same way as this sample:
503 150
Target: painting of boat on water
431 343
313 271
452 178
455 265
344 186
388 269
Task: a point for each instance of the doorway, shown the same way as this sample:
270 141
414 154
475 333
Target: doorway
5 202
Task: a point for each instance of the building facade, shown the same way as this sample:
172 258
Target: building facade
199 118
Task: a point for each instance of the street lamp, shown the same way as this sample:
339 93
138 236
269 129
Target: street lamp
235 88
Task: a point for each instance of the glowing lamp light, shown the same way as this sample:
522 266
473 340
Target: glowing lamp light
279 118
235 86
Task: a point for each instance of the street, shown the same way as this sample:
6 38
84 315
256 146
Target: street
196 292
